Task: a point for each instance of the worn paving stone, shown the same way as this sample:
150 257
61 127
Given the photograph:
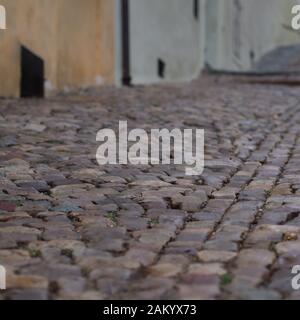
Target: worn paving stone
216 256
163 270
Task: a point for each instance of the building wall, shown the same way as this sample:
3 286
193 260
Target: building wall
85 43
78 42
240 32
75 38
166 30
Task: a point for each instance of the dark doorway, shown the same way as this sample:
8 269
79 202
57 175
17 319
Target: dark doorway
161 66
196 9
126 77
32 74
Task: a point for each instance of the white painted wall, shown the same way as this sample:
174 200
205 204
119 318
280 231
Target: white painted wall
229 35
167 30
238 31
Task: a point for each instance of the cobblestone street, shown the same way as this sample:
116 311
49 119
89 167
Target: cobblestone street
71 229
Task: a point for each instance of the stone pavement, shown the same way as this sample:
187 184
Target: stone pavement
70 229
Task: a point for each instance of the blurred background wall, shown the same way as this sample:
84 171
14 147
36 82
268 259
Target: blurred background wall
81 41
171 32
240 32
228 35
75 38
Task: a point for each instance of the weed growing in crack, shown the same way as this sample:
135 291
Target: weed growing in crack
153 221
226 279
35 253
112 216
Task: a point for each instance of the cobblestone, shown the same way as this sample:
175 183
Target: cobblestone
70 229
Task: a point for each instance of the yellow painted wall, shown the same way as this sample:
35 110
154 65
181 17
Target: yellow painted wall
74 37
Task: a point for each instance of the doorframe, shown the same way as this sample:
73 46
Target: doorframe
125 40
